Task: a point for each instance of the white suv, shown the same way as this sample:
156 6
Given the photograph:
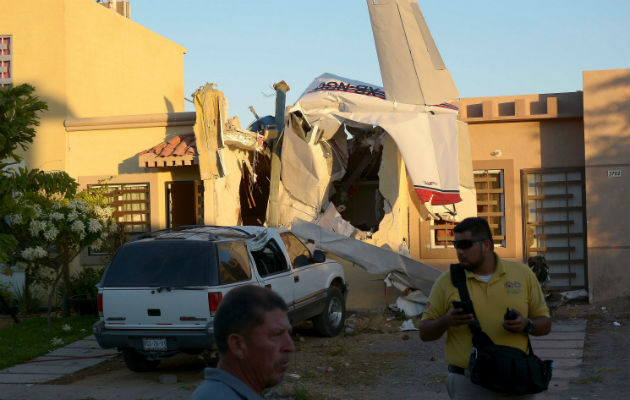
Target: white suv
159 293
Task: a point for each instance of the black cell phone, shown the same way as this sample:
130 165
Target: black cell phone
464 306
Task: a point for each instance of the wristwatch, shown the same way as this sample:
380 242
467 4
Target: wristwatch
530 326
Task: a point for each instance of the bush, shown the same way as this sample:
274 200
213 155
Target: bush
7 295
27 301
83 290
84 282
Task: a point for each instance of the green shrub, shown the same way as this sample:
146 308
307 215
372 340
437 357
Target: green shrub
27 301
7 295
84 282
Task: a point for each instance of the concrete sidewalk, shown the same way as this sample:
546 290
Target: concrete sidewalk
61 362
565 346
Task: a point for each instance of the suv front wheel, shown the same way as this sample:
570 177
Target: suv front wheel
138 362
330 322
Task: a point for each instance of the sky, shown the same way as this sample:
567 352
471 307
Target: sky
491 47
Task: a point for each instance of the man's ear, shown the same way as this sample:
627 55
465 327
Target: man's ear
487 244
237 345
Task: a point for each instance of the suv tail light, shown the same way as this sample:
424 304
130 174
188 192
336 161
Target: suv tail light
99 303
214 298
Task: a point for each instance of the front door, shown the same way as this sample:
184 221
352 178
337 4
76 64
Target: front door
184 201
554 223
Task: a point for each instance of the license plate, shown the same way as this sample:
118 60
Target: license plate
154 344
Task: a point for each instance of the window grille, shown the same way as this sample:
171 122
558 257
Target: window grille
6 61
132 205
490 188
442 233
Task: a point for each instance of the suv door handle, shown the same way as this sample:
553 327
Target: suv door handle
296 278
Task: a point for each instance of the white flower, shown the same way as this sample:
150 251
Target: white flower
16 219
97 244
79 205
94 226
56 205
37 210
72 215
33 253
103 213
113 227
36 226
79 227
56 216
83 206
51 233
66 327
56 341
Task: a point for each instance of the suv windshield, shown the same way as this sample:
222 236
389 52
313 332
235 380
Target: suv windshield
159 263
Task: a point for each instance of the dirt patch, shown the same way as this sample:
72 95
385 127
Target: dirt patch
605 370
373 359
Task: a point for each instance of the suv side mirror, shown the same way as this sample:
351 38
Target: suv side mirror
300 261
319 256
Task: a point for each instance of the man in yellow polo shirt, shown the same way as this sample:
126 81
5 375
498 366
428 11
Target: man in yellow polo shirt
495 285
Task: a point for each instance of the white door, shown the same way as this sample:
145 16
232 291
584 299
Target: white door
274 271
310 278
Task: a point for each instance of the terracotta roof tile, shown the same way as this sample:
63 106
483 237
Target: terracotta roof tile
178 151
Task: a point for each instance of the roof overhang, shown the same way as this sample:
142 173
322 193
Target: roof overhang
179 151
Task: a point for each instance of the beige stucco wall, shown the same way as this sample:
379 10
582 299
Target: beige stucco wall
115 66
607 163
521 145
589 129
513 133
536 144
87 61
38 46
115 151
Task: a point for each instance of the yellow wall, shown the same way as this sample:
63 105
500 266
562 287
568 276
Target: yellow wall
607 150
87 61
117 67
114 152
38 41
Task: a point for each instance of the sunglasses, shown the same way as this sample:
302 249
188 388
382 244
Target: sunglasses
466 243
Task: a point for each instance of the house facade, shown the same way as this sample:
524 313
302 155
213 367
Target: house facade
110 85
551 175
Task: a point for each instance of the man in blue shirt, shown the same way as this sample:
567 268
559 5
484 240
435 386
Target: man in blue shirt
253 336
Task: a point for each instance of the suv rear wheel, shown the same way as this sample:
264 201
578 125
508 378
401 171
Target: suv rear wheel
138 362
330 322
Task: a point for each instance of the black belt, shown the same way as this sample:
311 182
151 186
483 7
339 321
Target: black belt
456 370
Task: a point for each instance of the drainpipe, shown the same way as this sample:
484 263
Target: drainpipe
274 185
281 99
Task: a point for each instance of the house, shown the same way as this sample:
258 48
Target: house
551 175
112 87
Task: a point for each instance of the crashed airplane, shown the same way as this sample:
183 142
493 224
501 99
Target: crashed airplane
344 164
